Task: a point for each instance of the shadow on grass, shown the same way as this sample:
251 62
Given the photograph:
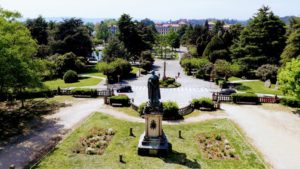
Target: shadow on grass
181 159
241 87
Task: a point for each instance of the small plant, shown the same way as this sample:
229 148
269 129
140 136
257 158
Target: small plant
170 110
203 103
290 101
70 77
141 108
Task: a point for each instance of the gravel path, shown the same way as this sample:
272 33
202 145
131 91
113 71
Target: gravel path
275 133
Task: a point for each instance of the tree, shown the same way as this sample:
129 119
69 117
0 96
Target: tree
173 39
260 42
38 29
267 71
218 27
19 70
133 39
68 61
216 49
114 49
72 36
102 31
292 49
289 78
226 69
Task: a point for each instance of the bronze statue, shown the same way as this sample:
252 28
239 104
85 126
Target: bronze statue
153 89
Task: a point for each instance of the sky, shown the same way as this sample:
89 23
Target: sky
153 9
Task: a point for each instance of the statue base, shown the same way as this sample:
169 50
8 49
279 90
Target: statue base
154 146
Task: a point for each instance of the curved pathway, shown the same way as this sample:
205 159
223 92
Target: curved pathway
274 132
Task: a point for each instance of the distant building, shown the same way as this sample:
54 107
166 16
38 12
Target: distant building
164 28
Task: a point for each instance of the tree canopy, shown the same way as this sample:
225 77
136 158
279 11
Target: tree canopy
261 41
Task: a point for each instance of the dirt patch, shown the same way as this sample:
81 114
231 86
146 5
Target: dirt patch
95 143
216 147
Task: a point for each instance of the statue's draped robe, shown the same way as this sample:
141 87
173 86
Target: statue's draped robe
153 89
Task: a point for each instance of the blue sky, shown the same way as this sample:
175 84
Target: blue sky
154 9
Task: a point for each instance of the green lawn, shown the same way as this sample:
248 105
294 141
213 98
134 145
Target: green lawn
98 74
257 87
135 70
186 152
129 111
234 78
53 84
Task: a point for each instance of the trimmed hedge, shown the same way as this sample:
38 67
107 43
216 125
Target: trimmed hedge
35 94
84 92
203 103
245 97
121 99
289 101
171 111
70 77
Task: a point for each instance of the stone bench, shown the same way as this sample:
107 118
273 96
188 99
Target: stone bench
116 104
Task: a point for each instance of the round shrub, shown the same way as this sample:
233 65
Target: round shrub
146 65
170 110
70 77
121 99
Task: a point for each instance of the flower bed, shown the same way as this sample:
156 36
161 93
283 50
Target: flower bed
216 147
169 82
95 143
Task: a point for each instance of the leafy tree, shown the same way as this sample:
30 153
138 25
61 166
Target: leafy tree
72 36
38 28
68 61
292 49
150 24
173 39
112 70
267 71
289 78
226 69
260 42
102 31
128 34
18 68
114 49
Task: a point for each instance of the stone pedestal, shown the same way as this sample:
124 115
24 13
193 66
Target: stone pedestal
153 141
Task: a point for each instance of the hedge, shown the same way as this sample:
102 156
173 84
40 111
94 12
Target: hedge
84 92
289 101
171 111
121 99
245 97
141 108
35 94
203 103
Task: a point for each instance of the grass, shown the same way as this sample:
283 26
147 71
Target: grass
234 78
86 81
59 99
129 111
195 113
186 152
98 74
134 70
257 87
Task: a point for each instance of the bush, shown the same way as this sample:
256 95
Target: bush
290 101
85 92
121 99
141 108
267 71
70 77
35 94
169 82
170 110
245 97
203 103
